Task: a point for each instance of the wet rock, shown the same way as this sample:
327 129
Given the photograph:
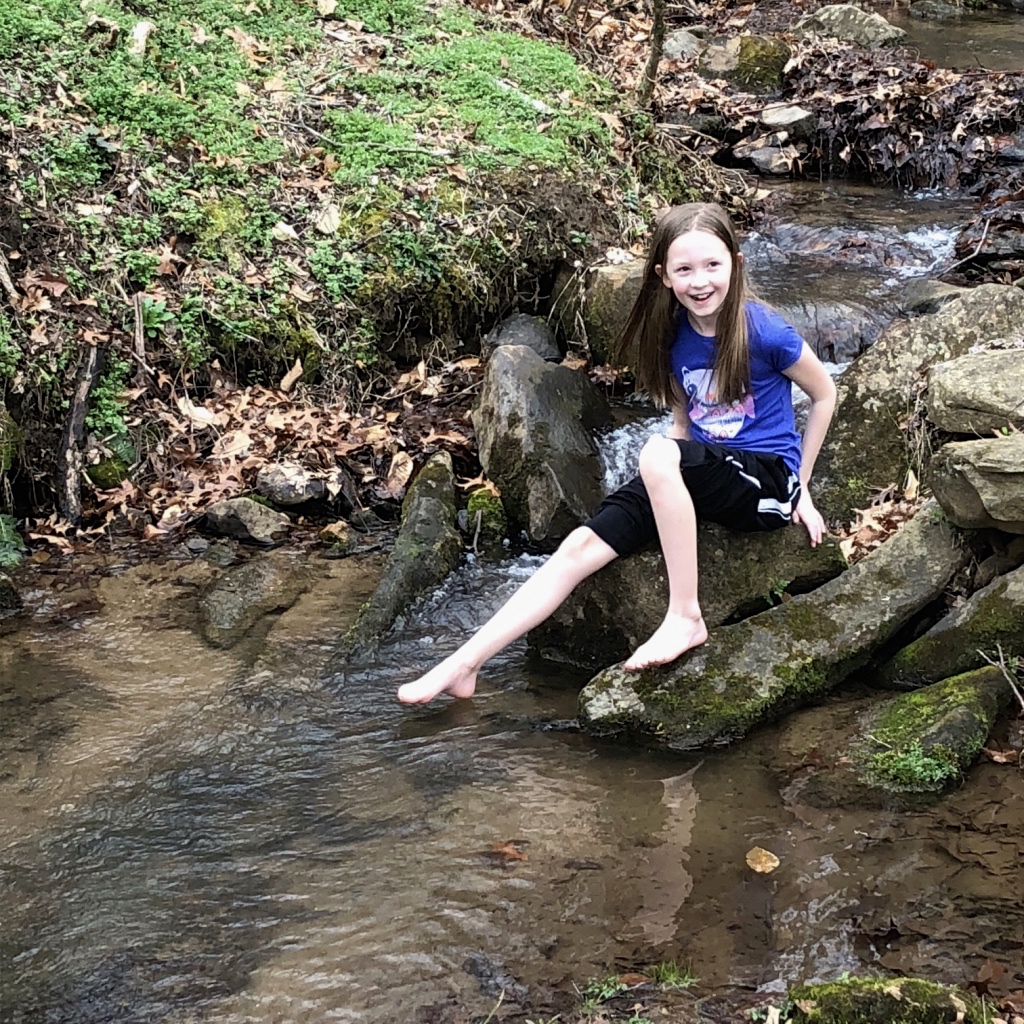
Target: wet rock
753 62
977 394
682 44
236 601
522 329
799 123
884 1001
611 613
247 520
838 331
981 483
790 655
866 448
341 539
593 310
495 979
486 525
922 742
221 555
844 21
10 600
921 296
534 424
773 159
427 549
998 232
992 616
197 545
934 10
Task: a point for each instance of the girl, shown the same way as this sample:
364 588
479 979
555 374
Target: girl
724 364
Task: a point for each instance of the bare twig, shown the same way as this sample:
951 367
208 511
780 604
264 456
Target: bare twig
1007 674
977 248
5 281
139 349
70 465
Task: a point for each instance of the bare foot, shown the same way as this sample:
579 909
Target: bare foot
453 677
676 635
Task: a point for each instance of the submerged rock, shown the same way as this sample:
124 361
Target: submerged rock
981 483
978 393
236 601
992 616
612 612
427 549
534 423
884 1001
866 449
844 21
247 520
790 655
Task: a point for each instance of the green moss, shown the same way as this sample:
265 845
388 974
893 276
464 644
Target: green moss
912 769
108 473
884 1001
485 507
761 62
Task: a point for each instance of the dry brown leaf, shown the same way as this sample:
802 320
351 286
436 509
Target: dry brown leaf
329 220
398 474
762 861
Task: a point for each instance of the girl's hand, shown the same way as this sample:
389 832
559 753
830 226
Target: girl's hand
806 513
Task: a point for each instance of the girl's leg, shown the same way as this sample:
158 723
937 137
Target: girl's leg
683 626
579 555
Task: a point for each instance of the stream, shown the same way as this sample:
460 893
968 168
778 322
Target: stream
199 835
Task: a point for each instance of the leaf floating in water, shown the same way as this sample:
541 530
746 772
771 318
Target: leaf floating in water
762 861
506 853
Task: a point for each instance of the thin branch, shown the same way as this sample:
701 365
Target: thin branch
1007 674
977 248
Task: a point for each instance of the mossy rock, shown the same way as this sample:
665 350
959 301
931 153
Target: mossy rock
884 1001
761 62
991 618
922 741
108 473
485 506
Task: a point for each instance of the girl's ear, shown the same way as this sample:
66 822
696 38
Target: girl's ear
660 271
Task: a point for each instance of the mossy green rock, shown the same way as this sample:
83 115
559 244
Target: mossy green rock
868 447
108 473
486 514
611 613
923 741
751 62
427 549
992 617
884 1001
790 655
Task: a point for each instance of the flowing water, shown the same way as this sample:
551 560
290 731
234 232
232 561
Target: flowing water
198 835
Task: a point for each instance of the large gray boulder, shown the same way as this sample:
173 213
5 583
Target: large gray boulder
844 21
790 655
248 520
236 601
534 423
981 483
988 619
978 393
427 549
612 612
868 447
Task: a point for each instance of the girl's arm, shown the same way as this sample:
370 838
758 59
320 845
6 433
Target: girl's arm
680 429
812 378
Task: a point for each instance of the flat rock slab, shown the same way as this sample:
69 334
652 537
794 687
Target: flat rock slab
248 520
980 484
427 549
992 617
243 595
978 393
611 613
790 655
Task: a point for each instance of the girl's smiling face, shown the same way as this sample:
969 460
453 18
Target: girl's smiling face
698 269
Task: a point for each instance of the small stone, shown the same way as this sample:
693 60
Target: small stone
681 44
197 545
286 483
340 538
248 520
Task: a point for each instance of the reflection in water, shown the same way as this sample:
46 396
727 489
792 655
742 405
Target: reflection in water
206 838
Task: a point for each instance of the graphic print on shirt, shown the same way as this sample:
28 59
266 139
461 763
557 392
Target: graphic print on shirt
716 419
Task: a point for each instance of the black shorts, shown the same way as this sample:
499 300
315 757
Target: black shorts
745 491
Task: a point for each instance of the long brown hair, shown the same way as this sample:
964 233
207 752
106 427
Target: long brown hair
651 328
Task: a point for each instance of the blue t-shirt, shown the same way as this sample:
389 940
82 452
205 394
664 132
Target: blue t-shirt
763 420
